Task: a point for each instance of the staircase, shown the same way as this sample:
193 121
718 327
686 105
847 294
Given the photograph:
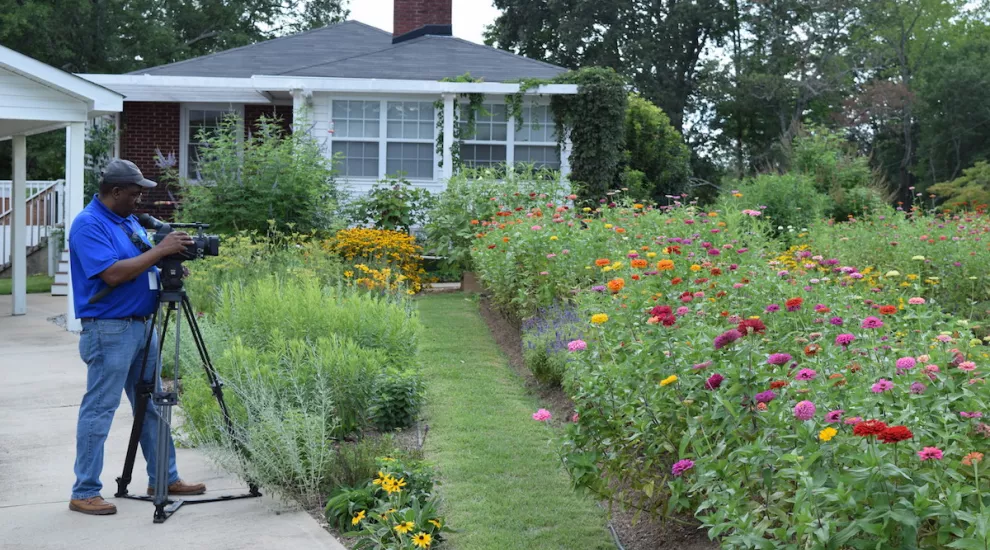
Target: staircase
45 212
61 285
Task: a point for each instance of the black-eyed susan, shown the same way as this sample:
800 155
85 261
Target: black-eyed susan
357 518
422 540
404 527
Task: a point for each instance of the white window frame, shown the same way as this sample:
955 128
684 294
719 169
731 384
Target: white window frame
510 138
383 140
236 108
510 131
549 122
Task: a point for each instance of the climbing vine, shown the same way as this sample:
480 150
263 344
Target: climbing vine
475 105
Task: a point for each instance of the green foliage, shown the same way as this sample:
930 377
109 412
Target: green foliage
245 182
657 160
397 399
792 201
393 204
357 461
594 122
545 338
99 146
473 107
971 190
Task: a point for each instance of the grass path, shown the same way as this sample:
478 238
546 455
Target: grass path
502 481
35 284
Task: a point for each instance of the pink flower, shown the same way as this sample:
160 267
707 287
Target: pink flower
575 417
778 358
577 345
905 363
541 415
805 410
834 416
714 381
965 414
930 453
853 421
700 366
944 338
681 466
536 228
882 385
681 311
806 374
916 301
967 366
871 322
844 339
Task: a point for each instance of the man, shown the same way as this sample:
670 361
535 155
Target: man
115 327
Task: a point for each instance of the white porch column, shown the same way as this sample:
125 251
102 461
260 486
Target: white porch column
75 151
448 136
565 160
18 228
302 111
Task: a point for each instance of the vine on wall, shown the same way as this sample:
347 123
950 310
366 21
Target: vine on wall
475 106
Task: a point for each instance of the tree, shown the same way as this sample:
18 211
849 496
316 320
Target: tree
969 191
656 45
655 152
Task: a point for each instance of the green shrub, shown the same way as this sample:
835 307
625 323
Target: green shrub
245 182
357 461
393 204
970 191
545 339
655 153
398 396
791 201
268 310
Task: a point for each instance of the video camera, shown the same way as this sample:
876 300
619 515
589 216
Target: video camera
171 266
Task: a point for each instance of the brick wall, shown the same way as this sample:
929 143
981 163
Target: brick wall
145 127
410 15
253 112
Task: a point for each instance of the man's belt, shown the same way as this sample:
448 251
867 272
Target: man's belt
141 318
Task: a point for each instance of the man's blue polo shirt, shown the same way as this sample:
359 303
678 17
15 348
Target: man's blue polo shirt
98 239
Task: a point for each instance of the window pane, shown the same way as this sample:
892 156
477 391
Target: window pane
414 159
356 118
542 156
482 155
537 125
410 119
360 159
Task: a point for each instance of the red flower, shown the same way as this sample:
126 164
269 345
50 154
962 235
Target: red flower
894 434
777 384
715 272
812 349
869 428
660 311
794 303
888 310
676 281
752 326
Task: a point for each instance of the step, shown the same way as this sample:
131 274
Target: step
60 289
61 277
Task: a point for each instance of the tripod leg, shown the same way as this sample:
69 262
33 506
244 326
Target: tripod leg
214 380
143 393
165 401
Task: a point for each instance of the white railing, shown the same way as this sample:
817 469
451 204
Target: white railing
45 211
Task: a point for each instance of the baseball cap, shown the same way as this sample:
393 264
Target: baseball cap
125 172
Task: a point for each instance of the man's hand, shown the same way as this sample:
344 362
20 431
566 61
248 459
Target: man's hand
174 243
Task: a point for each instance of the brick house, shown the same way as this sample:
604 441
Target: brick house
368 96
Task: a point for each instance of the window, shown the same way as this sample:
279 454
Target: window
488 145
200 121
356 126
536 139
409 136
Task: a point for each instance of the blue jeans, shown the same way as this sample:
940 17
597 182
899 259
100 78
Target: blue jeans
113 350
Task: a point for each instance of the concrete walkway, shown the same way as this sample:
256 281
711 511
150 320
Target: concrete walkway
42 381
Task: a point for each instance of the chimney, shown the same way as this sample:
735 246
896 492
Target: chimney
415 18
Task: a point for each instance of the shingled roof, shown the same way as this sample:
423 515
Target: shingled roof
355 50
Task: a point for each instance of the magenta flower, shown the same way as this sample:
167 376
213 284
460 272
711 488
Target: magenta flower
967 366
779 358
836 321
844 339
727 338
714 381
806 374
681 466
905 363
681 311
772 308
882 385
765 396
853 421
834 416
918 388
871 322
805 410
930 453
541 415
965 414
577 345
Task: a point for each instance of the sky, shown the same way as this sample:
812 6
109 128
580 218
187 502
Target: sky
470 16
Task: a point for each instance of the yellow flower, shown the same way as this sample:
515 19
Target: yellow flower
388 513
599 318
348 274
586 209
827 434
912 277
357 518
695 267
737 195
607 268
436 523
405 527
893 273
918 258
553 237
422 540
608 226
617 265
651 254
637 206
669 380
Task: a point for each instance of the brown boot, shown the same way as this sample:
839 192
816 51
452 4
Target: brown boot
94 506
182 488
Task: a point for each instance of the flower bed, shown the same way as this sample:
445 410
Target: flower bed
785 401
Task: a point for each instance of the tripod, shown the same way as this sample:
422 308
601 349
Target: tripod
172 297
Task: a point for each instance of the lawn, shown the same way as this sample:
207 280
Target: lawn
502 481
36 284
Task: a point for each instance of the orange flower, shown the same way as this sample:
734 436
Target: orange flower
676 281
617 284
811 350
619 230
635 277
665 265
969 459
602 262
505 239
888 310
639 263
475 222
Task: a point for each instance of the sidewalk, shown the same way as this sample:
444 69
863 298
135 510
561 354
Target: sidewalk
42 381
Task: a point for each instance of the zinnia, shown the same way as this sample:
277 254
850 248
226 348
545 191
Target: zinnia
665 265
916 301
965 414
599 318
751 326
541 415
888 310
681 466
834 416
895 434
871 322
969 459
805 410
778 359
615 285
930 453
868 428
669 380
727 338
794 304
577 345
882 385
765 396
827 434
905 363
917 388
714 381
967 366
806 374
844 339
